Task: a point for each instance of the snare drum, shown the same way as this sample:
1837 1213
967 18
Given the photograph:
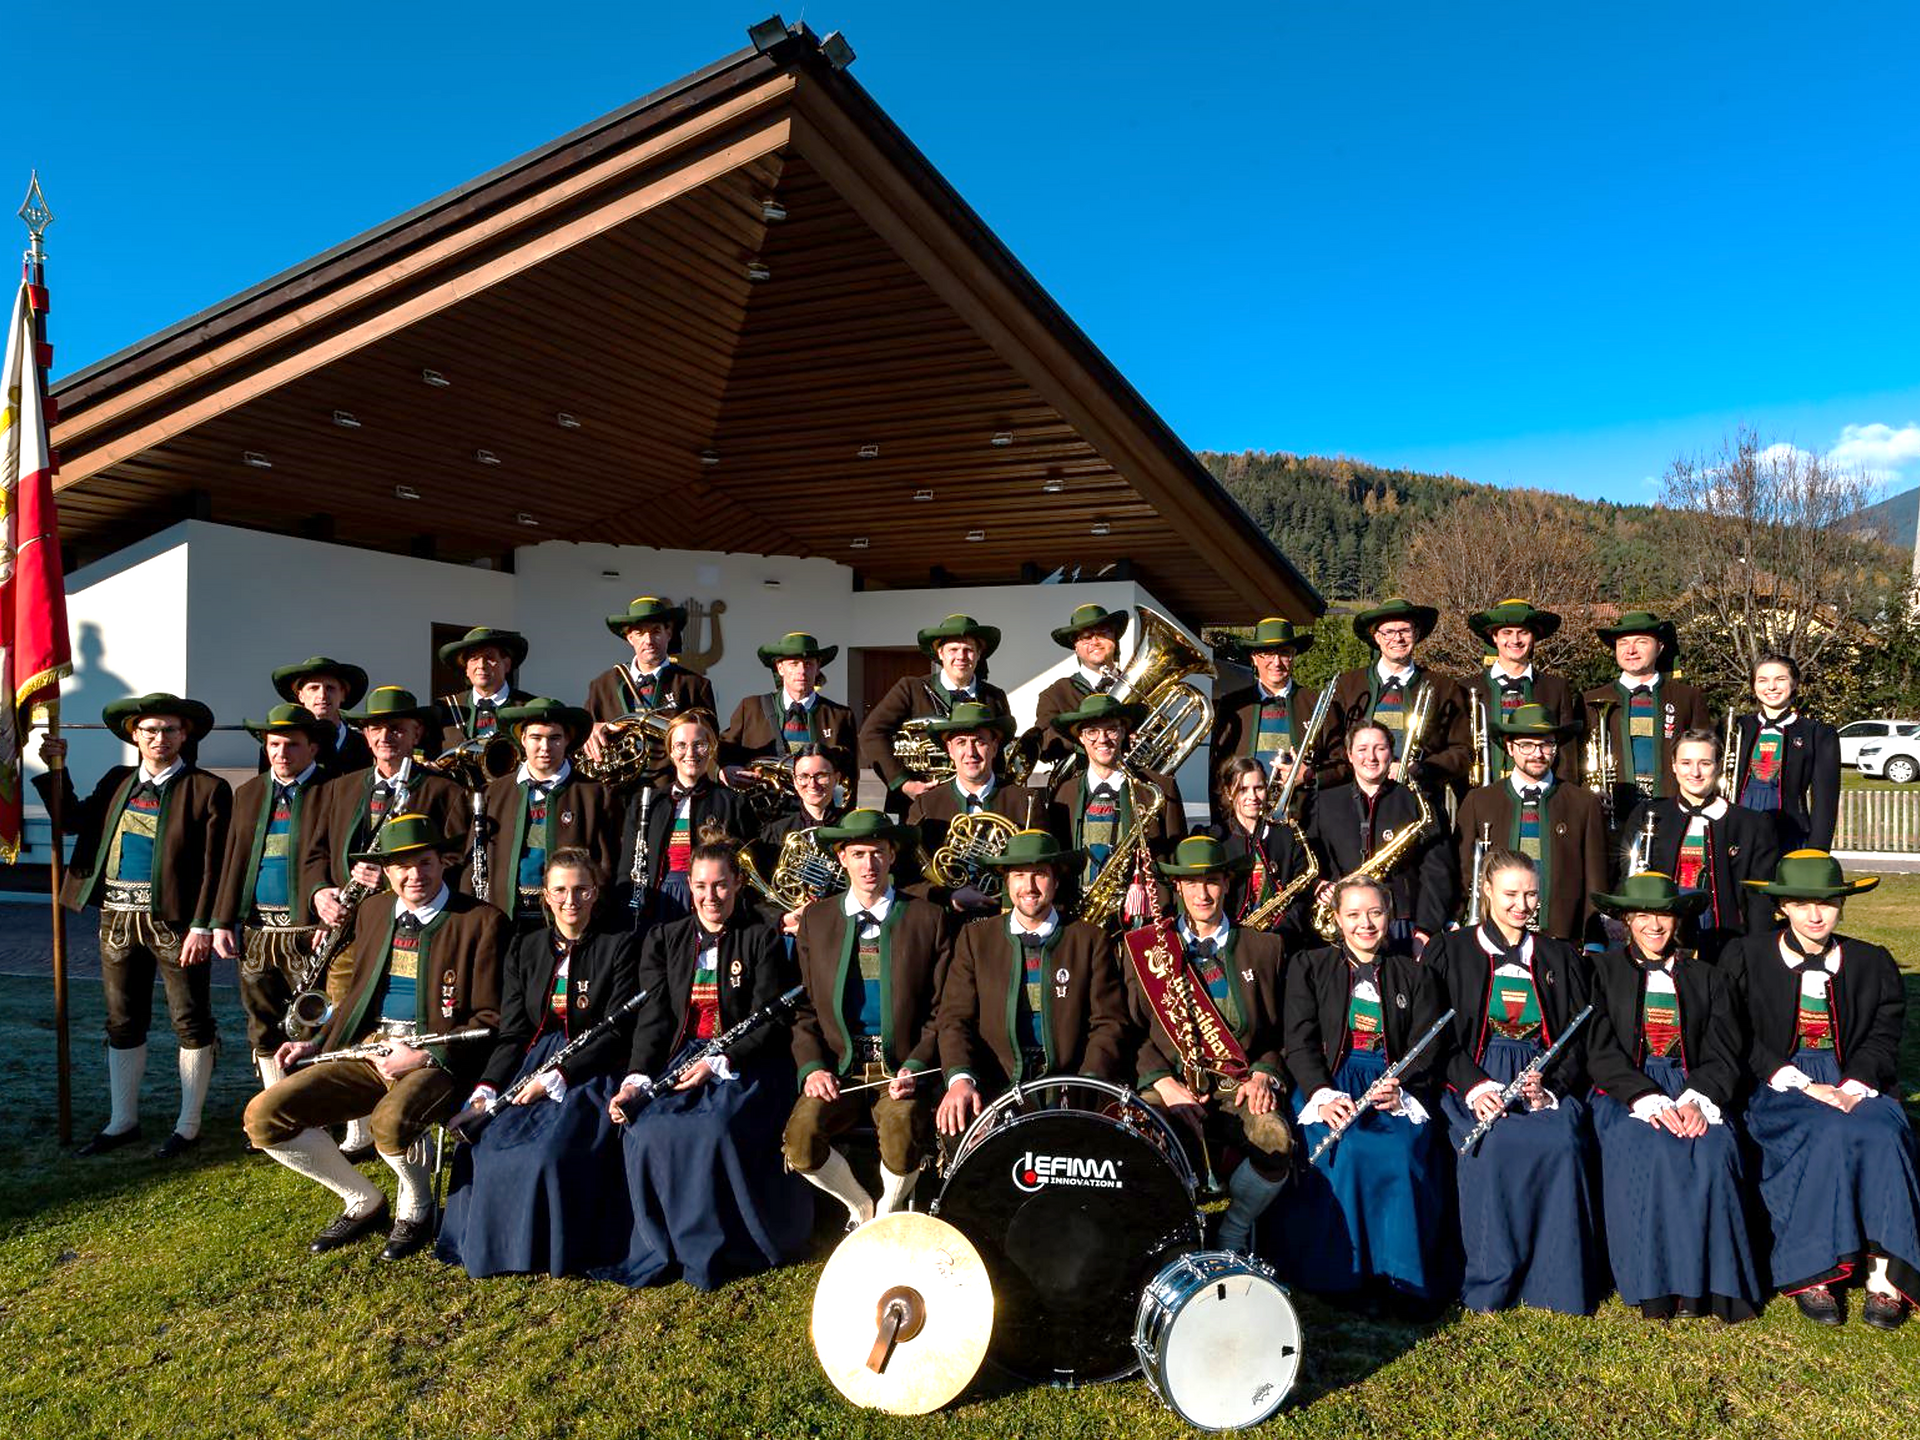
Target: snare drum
1218 1340
1071 1209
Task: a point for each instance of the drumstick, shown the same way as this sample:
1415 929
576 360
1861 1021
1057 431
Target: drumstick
869 1085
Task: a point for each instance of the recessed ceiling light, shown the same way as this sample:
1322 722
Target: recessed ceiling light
859 542
405 492
772 210
771 584
1100 527
256 460
756 272
1002 439
709 457
346 420
526 518
974 537
486 457
922 496
435 378
869 452
1052 485
566 421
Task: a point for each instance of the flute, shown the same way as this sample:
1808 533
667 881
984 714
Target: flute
1393 1072
1535 1066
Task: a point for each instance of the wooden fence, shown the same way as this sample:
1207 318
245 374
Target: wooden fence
1879 820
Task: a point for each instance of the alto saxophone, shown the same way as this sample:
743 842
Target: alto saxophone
1107 891
1380 863
1264 915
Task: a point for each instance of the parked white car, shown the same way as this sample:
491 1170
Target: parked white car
1888 749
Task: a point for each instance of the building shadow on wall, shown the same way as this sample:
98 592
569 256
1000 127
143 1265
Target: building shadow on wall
86 693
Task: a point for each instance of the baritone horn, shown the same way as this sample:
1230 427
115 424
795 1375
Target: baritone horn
1179 715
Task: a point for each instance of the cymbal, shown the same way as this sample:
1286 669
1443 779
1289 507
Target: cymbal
902 1314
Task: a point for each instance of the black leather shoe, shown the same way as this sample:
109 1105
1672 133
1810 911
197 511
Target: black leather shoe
174 1146
1884 1312
105 1144
1820 1305
406 1238
346 1228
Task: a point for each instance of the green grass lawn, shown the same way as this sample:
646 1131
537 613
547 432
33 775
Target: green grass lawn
137 1299
1854 780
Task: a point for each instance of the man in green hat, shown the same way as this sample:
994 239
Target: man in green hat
1211 1054
650 679
544 806
1096 808
794 714
425 960
147 846
1512 630
488 658
1386 691
353 807
1030 993
326 688
972 736
1093 633
1644 709
268 873
1268 719
870 960
958 647
1555 824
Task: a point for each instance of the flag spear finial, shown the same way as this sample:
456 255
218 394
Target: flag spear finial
38 215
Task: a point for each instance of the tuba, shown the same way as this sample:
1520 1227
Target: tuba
971 840
1106 893
630 746
1179 716
804 872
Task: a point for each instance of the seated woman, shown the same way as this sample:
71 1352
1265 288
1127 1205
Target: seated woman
1664 1057
1368 1214
1277 850
1526 1204
669 818
1837 1170
710 1199
540 1188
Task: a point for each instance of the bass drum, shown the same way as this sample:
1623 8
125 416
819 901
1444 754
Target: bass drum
1218 1340
1073 1211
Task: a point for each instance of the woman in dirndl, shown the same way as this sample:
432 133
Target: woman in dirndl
668 822
540 1188
1527 1211
1664 1057
1838 1159
711 1199
1366 1219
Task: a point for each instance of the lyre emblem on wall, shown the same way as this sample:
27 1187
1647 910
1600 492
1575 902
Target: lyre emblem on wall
693 655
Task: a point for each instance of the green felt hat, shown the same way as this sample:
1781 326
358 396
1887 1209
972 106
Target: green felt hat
1099 706
870 826
577 722
1534 720
393 702
1513 612
1651 891
1424 618
1643 622
403 835
972 715
1030 848
646 610
1087 617
282 719
960 627
1811 875
1272 633
120 715
287 679
1202 855
510 642
797 645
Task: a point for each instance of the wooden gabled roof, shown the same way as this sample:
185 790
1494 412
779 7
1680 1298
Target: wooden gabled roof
610 277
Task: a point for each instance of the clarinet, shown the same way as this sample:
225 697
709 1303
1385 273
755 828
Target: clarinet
1534 1067
309 1009
482 880
642 862
1393 1072
726 1040
468 1124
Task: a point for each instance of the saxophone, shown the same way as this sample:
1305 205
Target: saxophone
1107 892
1381 863
1264 915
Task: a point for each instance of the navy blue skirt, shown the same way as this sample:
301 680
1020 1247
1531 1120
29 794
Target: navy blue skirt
1675 1209
541 1190
1839 1186
1526 1200
1372 1207
710 1195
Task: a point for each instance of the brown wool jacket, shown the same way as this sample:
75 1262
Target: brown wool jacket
918 950
195 807
1083 1001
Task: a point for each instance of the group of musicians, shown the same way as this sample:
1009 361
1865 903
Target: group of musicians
1597 1029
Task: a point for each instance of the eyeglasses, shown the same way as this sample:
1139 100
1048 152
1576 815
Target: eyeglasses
1108 732
1394 632
154 730
689 747
1534 747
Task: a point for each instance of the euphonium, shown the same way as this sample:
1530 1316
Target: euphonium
971 841
629 746
1107 891
803 872
1265 914
1179 716
1381 863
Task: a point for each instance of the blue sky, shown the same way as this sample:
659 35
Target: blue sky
1533 245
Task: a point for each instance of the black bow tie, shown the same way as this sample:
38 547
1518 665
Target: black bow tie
681 792
1640 690
865 920
1203 949
283 794
1530 795
959 695
1809 959
644 685
974 804
1365 972
1508 685
1392 682
484 707
540 789
1103 792
796 715
1031 942
407 924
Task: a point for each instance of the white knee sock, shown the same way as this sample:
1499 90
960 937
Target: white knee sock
415 1201
313 1154
125 1068
1877 1281
894 1190
358 1136
196 1074
269 1071
836 1177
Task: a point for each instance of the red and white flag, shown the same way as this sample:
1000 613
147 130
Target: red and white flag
35 652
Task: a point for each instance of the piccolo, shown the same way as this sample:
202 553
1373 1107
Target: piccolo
386 1044
1534 1067
468 1124
707 1049
1393 1072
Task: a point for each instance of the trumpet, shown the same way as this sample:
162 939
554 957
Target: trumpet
1106 893
1600 767
1481 770
1419 716
1640 851
1280 803
1729 758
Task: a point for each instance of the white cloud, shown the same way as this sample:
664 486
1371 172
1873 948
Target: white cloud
1881 452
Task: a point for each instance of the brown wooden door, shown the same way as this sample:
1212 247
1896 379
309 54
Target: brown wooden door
881 667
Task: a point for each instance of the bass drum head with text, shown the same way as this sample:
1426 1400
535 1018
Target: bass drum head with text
1073 1213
